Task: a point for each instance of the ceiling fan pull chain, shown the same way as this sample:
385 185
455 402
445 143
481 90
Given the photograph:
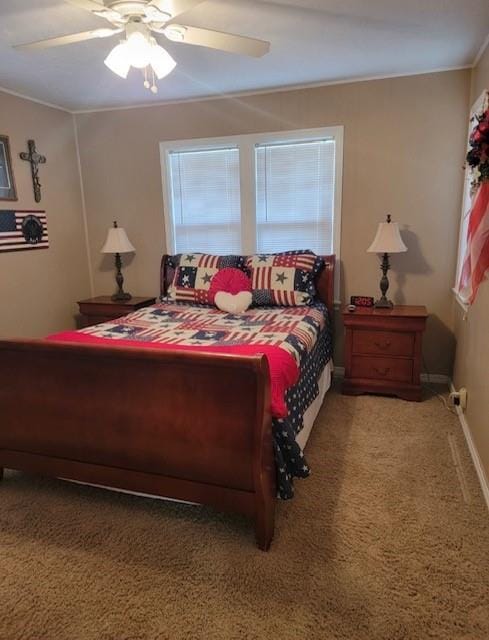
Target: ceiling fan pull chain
146 81
154 88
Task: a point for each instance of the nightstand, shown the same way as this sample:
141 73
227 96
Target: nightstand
103 308
383 351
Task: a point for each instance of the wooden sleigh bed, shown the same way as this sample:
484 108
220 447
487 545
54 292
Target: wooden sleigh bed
120 417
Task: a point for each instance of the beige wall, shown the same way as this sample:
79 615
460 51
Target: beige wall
404 143
39 288
472 331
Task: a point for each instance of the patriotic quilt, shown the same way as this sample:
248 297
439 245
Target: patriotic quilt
289 457
283 279
295 340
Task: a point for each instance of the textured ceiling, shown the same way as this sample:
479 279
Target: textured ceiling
312 41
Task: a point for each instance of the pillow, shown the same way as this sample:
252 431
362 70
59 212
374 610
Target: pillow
284 279
233 302
194 273
230 290
231 280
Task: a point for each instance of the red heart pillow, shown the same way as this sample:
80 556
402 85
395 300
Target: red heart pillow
229 280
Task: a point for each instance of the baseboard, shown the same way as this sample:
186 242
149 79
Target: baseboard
434 378
474 454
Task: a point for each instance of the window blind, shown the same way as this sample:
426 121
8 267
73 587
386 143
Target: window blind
295 196
205 200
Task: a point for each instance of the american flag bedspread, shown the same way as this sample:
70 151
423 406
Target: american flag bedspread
295 340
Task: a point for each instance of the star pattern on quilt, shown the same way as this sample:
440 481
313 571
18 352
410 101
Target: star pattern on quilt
290 459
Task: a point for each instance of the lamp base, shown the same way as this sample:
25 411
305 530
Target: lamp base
383 303
121 296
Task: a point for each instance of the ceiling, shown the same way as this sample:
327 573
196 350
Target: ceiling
312 41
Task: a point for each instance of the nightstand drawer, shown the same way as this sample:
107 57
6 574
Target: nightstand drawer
395 369
390 343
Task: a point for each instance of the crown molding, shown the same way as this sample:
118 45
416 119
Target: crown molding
30 99
480 53
281 89
251 92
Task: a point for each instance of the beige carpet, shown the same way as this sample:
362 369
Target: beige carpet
378 544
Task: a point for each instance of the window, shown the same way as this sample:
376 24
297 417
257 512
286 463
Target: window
205 200
254 193
295 196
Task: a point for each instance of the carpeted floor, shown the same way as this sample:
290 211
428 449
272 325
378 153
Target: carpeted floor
384 541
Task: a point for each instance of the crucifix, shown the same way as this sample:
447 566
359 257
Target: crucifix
35 159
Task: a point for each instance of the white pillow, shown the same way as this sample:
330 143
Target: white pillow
237 303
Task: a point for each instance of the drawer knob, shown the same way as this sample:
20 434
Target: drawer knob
383 345
383 371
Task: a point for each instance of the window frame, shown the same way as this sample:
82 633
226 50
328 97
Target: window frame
246 144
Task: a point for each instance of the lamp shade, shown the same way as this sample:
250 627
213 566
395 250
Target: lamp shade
387 239
117 242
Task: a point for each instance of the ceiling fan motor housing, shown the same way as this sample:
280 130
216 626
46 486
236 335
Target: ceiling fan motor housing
134 8
138 8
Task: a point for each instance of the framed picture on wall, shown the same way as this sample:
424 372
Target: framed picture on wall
7 182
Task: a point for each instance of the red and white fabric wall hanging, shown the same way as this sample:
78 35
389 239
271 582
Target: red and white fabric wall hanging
474 241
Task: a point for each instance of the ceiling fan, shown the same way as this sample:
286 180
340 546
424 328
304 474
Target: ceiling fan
138 20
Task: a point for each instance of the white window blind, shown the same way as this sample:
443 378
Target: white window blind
295 196
205 200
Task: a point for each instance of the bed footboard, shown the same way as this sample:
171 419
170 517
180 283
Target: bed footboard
190 426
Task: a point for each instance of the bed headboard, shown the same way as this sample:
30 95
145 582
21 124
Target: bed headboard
324 280
325 283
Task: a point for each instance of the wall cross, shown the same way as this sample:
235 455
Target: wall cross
35 159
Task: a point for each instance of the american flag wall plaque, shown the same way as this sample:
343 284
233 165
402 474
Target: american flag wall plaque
22 230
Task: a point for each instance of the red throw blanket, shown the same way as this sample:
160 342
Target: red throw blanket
284 371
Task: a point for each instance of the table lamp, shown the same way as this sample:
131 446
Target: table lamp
117 242
387 240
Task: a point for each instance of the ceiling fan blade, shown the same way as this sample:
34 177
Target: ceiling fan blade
70 39
217 40
99 9
88 5
174 7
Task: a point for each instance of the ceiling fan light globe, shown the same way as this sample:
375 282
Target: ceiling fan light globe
161 61
118 60
139 50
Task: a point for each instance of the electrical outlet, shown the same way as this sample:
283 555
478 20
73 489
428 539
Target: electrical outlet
459 398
